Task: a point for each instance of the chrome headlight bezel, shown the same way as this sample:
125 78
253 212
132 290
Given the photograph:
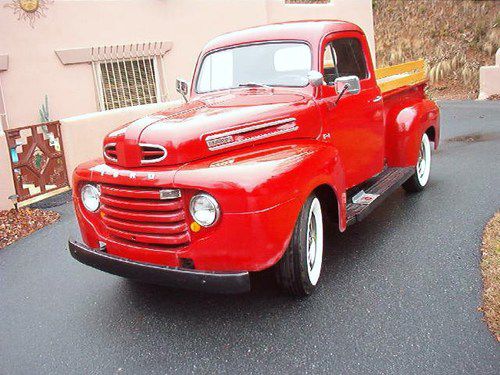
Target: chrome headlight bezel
209 201
89 192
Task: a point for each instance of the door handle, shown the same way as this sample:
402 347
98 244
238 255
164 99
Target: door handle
377 99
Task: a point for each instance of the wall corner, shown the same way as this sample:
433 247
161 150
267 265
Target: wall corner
7 187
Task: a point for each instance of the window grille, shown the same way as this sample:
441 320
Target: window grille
127 82
126 76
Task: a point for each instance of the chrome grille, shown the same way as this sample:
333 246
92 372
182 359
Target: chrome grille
138 215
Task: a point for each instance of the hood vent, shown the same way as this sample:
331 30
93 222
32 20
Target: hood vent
152 153
110 152
149 153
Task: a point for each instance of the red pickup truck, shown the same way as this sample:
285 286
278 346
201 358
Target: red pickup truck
284 126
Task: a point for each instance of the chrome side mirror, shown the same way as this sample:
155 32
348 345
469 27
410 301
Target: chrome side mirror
315 78
182 87
348 84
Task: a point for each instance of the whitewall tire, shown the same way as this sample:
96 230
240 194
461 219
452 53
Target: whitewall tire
314 246
299 269
420 178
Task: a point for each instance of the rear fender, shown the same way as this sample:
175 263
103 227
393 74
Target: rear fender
405 128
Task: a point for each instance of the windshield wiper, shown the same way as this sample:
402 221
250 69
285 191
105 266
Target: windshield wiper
253 84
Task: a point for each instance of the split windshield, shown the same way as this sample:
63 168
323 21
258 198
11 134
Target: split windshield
263 64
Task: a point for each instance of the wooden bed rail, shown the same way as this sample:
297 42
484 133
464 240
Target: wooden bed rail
396 76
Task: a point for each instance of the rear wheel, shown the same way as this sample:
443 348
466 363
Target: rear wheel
420 178
299 269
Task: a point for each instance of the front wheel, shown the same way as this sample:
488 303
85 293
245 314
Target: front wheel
420 178
298 270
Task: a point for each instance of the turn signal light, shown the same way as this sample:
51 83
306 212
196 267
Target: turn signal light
195 227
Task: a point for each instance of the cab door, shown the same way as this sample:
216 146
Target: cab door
355 121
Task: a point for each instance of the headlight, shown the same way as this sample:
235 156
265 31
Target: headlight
91 197
204 209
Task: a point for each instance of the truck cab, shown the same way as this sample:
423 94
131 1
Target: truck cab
284 126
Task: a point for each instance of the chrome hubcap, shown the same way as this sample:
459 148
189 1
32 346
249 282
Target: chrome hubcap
311 243
314 244
423 166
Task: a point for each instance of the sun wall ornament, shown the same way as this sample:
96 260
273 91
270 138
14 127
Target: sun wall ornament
29 10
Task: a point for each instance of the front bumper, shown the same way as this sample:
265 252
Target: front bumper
210 281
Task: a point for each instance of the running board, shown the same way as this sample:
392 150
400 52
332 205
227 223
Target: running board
372 195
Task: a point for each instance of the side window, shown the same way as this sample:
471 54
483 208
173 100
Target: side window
344 57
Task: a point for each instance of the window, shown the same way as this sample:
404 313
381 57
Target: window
344 57
130 82
295 58
270 64
217 72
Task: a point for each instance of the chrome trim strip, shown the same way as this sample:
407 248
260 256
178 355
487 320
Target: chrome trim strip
106 146
161 148
252 127
249 129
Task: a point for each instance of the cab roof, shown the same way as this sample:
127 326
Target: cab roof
309 31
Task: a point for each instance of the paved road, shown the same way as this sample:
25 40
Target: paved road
399 292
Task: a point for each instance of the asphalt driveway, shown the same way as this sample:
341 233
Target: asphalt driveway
399 292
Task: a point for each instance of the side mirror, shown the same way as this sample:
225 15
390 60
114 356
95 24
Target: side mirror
315 78
182 87
348 84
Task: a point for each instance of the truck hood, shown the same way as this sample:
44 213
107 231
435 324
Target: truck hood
213 124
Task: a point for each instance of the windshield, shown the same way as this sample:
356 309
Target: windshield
266 64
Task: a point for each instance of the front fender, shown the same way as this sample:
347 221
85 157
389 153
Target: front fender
405 126
257 179
260 191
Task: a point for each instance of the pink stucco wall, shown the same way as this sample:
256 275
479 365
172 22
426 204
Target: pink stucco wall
82 138
35 70
489 79
30 68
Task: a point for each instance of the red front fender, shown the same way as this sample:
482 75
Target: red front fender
260 192
259 178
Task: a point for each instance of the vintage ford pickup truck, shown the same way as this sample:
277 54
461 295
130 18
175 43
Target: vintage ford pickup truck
284 126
